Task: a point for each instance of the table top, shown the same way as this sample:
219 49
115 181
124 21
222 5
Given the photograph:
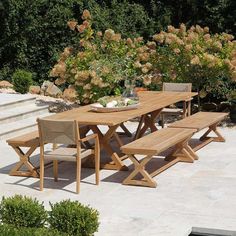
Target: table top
149 101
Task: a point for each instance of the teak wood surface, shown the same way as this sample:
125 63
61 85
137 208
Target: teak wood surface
152 145
200 121
151 104
31 141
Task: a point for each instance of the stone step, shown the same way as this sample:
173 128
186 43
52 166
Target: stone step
9 101
16 128
21 112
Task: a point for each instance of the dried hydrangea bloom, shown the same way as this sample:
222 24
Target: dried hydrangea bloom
227 37
199 48
182 28
188 47
206 37
159 37
137 64
217 45
233 62
72 24
147 79
195 60
206 29
82 75
86 15
99 34
199 29
152 45
93 74
129 41
60 81
148 65
171 29
81 28
87 87
105 70
116 37
143 57
176 50
58 70
108 34
86 24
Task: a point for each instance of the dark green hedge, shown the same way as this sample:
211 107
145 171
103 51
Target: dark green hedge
32 33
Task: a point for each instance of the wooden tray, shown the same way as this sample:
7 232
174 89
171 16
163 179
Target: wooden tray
114 109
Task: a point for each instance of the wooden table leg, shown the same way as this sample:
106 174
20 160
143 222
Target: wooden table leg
126 131
24 161
149 122
104 139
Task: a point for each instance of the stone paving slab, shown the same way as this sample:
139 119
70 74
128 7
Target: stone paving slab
202 194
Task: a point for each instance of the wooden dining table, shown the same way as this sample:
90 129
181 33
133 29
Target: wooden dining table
150 107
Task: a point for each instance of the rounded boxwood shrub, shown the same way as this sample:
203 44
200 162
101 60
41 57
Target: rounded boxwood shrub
10 230
22 211
22 80
73 218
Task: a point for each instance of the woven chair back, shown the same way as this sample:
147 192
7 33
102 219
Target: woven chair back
58 132
177 87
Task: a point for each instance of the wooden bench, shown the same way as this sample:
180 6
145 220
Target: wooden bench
31 141
200 121
153 144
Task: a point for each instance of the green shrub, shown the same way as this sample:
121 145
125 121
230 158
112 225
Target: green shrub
22 211
22 80
73 218
10 230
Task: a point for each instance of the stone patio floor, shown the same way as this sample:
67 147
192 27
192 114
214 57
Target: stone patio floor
202 194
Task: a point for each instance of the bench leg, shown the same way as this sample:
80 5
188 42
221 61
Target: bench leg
183 152
24 161
213 128
139 167
205 139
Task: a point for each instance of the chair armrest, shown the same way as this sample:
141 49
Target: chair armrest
89 137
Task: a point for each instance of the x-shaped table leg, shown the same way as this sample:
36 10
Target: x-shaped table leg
149 122
24 161
104 139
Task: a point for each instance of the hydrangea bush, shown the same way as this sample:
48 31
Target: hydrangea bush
101 61
194 55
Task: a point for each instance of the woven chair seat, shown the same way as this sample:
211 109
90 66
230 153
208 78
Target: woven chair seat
66 154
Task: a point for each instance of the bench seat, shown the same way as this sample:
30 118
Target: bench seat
153 144
29 140
200 121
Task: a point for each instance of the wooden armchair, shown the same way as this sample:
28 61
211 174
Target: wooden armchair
67 133
177 87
